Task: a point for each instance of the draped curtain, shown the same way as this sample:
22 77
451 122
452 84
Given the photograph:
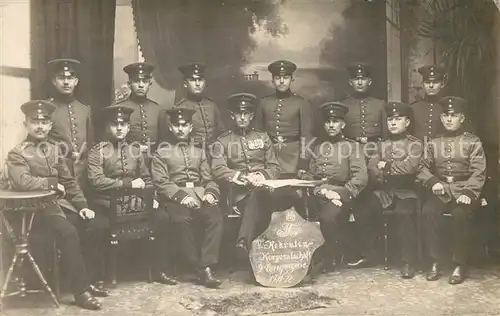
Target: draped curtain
79 29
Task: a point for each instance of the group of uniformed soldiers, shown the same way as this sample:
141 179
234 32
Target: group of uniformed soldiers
367 161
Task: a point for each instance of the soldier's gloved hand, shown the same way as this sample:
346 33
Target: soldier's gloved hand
61 189
138 184
256 179
381 165
210 199
144 148
332 195
189 202
337 202
438 189
464 199
86 213
301 173
155 204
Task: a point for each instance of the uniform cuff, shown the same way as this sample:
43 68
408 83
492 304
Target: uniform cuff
80 205
430 183
469 193
52 183
212 191
179 196
127 183
265 174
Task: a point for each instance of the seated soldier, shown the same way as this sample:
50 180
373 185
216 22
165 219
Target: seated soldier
37 164
453 168
118 164
181 175
393 168
340 163
244 157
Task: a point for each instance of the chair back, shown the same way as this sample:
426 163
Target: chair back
131 205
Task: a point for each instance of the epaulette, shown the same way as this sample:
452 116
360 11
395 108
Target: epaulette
101 144
413 138
182 100
257 130
269 95
298 96
471 135
50 99
224 134
349 140
152 101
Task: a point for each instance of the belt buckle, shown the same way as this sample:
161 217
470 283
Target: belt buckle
363 140
189 185
449 179
280 139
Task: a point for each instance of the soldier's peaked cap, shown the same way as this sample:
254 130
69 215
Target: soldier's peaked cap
334 109
432 72
359 70
117 113
67 66
242 102
180 115
452 104
282 68
394 108
38 109
193 69
139 70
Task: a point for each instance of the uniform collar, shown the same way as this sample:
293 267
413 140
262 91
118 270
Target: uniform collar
395 137
194 97
118 143
64 98
432 98
138 99
358 95
335 139
242 131
282 95
459 131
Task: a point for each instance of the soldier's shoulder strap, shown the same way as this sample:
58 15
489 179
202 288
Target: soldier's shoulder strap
225 134
153 101
413 138
180 101
471 135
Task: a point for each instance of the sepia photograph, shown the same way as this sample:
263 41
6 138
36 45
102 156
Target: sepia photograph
249 157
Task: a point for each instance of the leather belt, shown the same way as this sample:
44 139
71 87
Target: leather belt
285 139
188 184
452 179
371 139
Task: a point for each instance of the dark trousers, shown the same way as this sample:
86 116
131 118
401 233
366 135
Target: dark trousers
161 226
333 224
369 214
187 223
68 242
258 207
432 213
93 234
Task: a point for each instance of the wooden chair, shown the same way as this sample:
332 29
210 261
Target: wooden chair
129 220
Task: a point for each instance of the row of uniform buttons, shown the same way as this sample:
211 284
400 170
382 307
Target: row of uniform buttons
74 130
363 121
278 111
144 124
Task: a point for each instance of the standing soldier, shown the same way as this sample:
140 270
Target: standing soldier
288 119
184 184
365 121
36 164
426 112
393 168
243 157
341 164
146 120
72 122
115 164
453 168
207 122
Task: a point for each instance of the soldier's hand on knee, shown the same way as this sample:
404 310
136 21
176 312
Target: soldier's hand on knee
210 199
464 199
138 183
86 213
332 195
155 204
438 189
189 202
337 202
61 189
381 165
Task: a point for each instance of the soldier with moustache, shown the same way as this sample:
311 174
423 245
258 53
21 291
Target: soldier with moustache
181 175
37 164
72 123
116 163
243 157
453 169
207 121
288 119
147 118
341 164
365 121
426 121
393 168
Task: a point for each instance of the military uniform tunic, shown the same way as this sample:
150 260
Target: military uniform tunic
234 152
72 124
365 119
145 121
34 165
287 118
207 121
457 161
402 156
426 121
113 165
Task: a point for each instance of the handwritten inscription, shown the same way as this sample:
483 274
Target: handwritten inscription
280 257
